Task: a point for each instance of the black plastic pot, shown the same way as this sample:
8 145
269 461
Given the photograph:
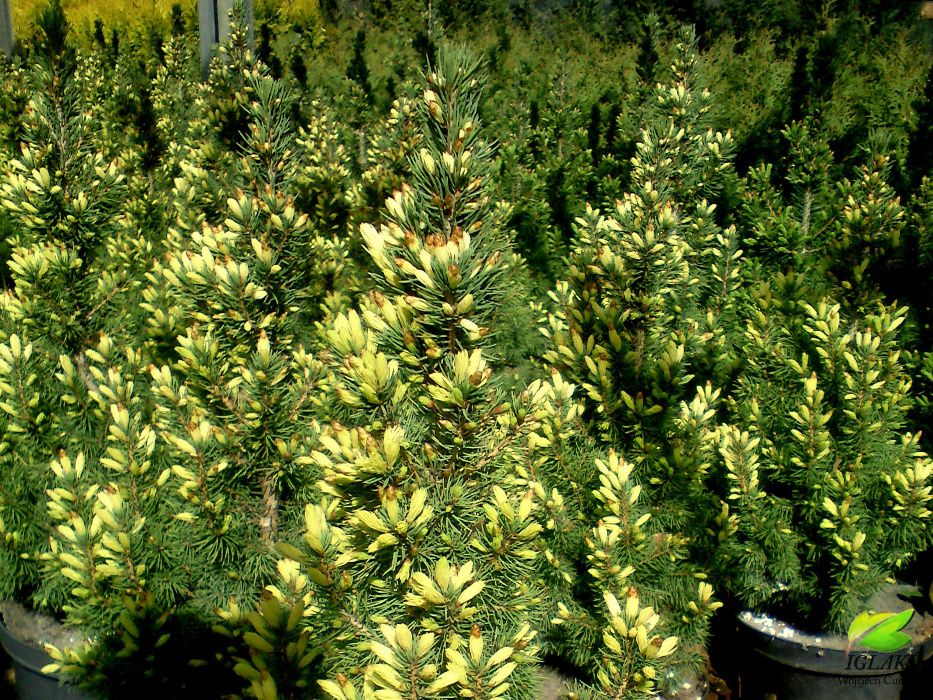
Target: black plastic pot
775 664
31 683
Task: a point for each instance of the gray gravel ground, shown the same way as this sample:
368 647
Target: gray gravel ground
551 685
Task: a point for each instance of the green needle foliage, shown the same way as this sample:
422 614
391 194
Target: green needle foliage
384 160
14 96
273 418
828 494
632 655
239 283
196 464
417 565
918 254
111 546
82 532
842 237
325 177
641 322
782 234
76 259
629 558
642 326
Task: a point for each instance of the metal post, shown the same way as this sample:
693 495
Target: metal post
6 28
214 21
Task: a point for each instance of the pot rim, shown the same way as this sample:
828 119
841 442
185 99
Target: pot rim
818 653
27 654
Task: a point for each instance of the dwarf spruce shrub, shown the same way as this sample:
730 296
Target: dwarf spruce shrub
74 258
827 490
642 326
167 505
417 570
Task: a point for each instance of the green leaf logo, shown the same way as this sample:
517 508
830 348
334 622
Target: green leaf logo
880 631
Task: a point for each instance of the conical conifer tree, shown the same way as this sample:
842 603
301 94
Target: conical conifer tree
641 321
81 464
641 327
204 448
239 283
828 492
417 565
837 239
75 256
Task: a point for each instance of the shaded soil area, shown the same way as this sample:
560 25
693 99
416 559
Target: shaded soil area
7 678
